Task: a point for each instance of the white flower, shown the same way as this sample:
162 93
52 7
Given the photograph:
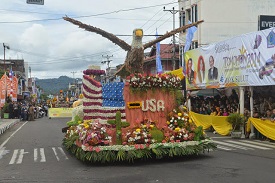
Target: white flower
185 136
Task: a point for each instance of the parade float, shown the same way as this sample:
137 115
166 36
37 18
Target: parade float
139 119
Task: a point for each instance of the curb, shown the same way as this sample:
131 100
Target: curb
8 125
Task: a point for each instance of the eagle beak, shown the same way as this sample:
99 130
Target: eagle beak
139 32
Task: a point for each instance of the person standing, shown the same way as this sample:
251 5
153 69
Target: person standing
11 111
31 113
213 71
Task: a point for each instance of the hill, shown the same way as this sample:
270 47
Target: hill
54 85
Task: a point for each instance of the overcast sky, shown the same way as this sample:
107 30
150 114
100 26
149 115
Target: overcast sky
53 47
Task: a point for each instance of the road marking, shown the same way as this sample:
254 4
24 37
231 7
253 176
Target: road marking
224 148
19 158
62 153
232 145
42 155
15 152
249 145
6 141
259 143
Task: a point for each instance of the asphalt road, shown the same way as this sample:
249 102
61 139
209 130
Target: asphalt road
33 152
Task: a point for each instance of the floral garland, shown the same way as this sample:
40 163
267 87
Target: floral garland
93 72
144 82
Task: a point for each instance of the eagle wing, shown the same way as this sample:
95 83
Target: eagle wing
101 32
169 34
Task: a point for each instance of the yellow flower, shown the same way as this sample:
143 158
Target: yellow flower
144 126
138 130
168 122
86 126
177 129
87 121
79 122
179 114
151 126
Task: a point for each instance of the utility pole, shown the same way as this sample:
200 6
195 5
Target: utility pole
173 11
5 46
73 74
108 63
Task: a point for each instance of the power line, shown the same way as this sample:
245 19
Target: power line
86 16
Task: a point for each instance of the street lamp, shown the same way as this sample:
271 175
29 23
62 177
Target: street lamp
5 46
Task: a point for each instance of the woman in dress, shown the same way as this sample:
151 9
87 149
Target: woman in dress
201 70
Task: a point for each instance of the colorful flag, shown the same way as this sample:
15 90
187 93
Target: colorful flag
189 36
158 58
11 74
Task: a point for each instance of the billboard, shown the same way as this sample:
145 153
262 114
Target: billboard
39 2
245 60
266 21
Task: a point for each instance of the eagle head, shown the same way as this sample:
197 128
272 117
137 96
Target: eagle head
137 38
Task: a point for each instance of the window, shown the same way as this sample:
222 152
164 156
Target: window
196 12
188 14
182 19
194 45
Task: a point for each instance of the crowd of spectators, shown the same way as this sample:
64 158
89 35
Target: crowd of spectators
222 105
26 111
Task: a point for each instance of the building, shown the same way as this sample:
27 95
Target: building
167 55
18 67
223 19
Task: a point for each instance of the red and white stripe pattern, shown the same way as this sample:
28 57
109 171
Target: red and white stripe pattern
92 102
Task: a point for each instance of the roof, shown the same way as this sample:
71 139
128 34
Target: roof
166 52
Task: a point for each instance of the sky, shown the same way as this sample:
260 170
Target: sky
53 47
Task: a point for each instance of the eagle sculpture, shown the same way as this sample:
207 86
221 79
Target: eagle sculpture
135 52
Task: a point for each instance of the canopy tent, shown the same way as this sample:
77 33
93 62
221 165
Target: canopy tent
206 93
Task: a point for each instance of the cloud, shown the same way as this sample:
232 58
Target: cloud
55 47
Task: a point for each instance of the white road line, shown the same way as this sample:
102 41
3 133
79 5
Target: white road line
62 152
232 145
42 154
249 145
6 141
259 143
15 152
54 150
20 157
224 148
35 157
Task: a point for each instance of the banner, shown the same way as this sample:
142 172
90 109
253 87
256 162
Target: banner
246 60
60 112
8 87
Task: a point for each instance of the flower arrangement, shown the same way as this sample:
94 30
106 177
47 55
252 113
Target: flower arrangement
180 128
141 134
145 82
90 133
93 72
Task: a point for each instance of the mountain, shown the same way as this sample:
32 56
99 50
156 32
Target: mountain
54 85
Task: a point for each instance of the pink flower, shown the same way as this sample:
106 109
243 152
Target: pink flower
97 149
177 140
164 141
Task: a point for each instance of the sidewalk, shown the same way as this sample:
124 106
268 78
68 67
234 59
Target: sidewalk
6 124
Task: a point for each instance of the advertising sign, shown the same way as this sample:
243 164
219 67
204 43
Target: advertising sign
60 112
246 60
266 21
39 2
